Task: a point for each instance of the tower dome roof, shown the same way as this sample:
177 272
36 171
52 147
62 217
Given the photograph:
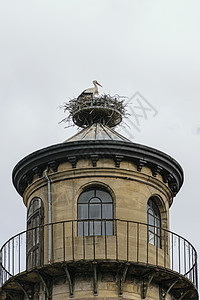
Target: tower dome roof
97 131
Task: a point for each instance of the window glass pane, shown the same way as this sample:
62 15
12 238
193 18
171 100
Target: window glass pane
157 222
83 228
107 227
95 200
95 211
153 218
36 204
150 212
151 238
155 209
107 212
35 221
82 211
95 228
30 211
104 196
86 196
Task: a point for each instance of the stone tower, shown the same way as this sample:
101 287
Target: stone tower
98 218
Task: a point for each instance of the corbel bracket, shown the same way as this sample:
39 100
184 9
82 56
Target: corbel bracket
156 170
46 283
145 283
141 163
94 158
10 296
70 281
73 161
165 291
28 178
95 278
167 177
122 279
183 295
24 290
118 159
38 171
53 165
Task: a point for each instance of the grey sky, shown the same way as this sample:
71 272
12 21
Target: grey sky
52 50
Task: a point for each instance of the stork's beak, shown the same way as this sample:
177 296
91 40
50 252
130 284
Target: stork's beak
99 84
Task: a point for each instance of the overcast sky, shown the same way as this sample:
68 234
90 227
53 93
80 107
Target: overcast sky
52 50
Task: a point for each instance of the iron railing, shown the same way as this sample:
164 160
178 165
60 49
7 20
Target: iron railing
128 241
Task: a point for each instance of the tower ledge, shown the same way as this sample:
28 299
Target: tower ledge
140 155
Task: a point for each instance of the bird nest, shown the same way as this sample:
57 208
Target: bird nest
87 110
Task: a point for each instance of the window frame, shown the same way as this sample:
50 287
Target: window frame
35 234
154 228
89 225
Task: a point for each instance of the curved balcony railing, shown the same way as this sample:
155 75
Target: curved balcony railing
77 240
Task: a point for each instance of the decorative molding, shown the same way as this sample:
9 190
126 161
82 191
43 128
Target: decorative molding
157 161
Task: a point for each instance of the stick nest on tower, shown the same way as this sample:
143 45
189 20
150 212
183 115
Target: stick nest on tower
87 110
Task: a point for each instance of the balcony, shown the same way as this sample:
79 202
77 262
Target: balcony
108 243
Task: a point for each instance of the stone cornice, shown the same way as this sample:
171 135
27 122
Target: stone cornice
140 155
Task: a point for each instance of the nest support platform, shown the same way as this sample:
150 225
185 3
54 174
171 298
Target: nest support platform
87 110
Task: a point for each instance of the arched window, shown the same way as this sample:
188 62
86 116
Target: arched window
95 204
154 223
34 247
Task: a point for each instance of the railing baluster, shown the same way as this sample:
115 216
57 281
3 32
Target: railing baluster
73 240
184 259
5 262
13 255
83 240
1 270
192 265
19 252
116 232
189 262
172 251
157 249
52 243
63 241
147 241
105 234
9 256
165 248
138 242
179 255
93 241
127 239
196 271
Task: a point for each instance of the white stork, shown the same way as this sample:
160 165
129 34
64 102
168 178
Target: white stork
91 91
